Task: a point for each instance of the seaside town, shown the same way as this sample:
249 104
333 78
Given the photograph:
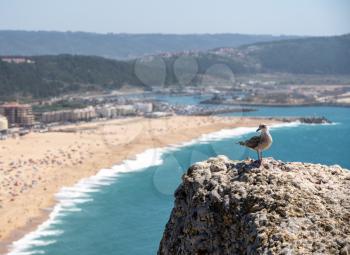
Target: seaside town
17 119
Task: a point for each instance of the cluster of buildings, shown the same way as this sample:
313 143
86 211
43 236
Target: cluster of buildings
17 60
18 118
85 114
21 115
18 114
89 113
114 111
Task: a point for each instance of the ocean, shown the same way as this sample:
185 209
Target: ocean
124 210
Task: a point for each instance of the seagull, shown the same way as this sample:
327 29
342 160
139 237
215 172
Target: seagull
259 143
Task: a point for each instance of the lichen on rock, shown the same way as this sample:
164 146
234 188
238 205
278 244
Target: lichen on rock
235 207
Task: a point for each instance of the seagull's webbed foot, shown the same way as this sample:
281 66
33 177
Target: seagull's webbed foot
258 162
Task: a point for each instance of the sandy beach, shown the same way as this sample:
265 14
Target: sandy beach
34 167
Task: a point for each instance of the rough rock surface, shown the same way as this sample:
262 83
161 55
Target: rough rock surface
235 207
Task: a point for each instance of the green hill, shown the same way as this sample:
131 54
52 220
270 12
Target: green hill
319 55
54 75
315 56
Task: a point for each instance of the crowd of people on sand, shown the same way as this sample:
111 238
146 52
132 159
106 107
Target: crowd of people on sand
24 173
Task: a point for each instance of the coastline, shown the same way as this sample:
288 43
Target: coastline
148 134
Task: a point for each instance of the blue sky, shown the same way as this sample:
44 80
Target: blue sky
298 17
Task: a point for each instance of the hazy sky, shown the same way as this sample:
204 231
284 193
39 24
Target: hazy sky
298 17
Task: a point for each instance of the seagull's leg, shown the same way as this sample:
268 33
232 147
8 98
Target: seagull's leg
259 160
261 156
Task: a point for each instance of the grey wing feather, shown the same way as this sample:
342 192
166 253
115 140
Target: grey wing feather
252 142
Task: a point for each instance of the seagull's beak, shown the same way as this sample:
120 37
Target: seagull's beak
258 129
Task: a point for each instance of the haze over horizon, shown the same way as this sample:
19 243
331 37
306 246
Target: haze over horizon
313 17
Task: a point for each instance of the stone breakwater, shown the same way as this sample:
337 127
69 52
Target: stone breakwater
306 120
235 207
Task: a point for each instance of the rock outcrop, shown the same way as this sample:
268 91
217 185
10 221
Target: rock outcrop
236 207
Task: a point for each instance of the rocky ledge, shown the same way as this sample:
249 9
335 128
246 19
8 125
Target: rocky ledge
235 207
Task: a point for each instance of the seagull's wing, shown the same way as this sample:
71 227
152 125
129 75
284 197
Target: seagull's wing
252 142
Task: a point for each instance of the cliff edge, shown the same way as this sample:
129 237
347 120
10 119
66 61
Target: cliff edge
235 207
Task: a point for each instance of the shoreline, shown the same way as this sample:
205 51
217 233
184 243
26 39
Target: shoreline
132 148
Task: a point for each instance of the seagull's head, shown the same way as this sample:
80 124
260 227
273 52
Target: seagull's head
262 127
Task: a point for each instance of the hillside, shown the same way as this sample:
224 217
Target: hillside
55 75
118 46
230 207
318 55
311 56
322 55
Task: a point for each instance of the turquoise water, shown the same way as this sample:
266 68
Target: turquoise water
128 216
183 100
326 144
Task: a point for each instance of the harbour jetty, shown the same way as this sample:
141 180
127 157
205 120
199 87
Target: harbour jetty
304 120
235 207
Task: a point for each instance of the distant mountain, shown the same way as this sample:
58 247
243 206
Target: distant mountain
118 46
44 76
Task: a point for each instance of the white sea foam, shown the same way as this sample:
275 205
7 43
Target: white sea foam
228 133
322 124
31 252
68 198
